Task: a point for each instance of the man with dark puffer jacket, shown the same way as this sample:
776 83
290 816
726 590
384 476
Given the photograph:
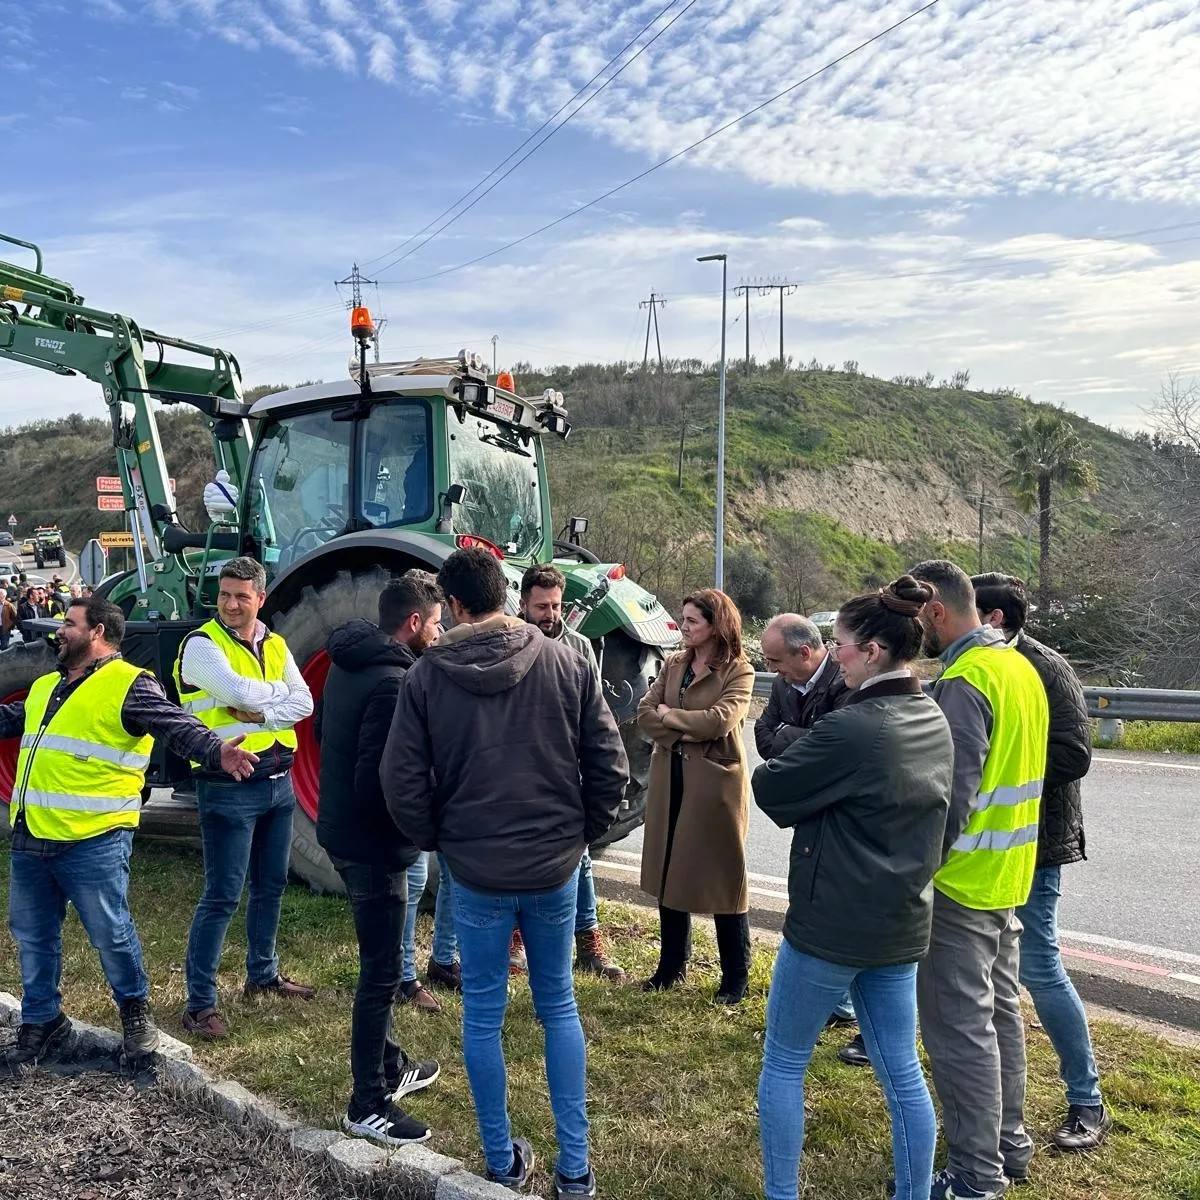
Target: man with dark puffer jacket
1002 603
504 756
370 854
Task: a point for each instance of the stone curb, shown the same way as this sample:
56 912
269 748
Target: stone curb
411 1171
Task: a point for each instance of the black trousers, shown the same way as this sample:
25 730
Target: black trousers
733 929
379 901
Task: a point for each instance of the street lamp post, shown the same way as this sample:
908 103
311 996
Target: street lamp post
720 571
495 339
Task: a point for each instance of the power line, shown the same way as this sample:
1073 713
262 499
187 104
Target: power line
678 154
653 305
566 104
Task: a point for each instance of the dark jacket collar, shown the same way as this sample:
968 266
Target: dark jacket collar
909 686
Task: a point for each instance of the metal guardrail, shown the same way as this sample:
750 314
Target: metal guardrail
1107 703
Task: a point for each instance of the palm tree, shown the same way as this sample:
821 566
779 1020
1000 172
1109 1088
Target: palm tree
1046 451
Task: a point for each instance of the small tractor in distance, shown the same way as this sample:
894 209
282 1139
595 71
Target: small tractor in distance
340 486
48 546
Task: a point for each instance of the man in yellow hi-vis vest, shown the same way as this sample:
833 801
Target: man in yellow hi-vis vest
239 678
87 730
967 990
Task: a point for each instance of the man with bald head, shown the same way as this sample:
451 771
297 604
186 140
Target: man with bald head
808 683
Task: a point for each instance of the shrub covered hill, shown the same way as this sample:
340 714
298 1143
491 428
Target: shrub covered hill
835 480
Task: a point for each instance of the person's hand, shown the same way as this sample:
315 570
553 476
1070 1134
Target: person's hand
663 709
235 761
248 718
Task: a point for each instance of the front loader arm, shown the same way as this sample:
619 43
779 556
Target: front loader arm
48 326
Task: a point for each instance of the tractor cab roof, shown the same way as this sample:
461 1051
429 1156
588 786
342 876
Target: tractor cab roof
461 381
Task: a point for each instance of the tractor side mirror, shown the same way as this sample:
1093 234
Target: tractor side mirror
577 527
454 495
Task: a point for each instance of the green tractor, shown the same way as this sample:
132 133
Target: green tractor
48 546
339 486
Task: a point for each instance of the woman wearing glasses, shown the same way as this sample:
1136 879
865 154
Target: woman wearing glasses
698 800
866 793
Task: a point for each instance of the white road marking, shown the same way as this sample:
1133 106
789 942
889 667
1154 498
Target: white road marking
1146 762
630 862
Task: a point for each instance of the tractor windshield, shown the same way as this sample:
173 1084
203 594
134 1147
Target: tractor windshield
301 477
500 474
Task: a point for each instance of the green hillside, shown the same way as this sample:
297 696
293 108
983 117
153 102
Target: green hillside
835 480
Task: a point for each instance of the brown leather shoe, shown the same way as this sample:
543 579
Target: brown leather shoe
591 955
447 975
282 986
207 1023
419 997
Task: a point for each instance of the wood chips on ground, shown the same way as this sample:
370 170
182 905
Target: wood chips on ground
93 1136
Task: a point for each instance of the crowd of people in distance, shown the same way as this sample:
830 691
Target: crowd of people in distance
929 825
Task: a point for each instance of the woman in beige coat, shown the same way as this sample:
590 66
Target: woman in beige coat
697 808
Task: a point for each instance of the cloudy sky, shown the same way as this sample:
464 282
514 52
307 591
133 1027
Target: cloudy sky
1005 187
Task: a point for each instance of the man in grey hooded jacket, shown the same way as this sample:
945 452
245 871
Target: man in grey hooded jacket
503 755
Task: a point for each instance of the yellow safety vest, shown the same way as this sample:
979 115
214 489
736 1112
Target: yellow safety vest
244 662
991 863
81 773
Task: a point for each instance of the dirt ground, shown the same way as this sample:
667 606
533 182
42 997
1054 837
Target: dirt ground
93 1136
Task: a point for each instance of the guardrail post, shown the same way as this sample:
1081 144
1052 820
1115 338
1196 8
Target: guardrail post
1111 731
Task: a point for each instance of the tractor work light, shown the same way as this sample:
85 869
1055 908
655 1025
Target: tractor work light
474 394
361 325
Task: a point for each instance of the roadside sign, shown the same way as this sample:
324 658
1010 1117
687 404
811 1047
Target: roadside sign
93 563
12 520
110 503
117 541
111 484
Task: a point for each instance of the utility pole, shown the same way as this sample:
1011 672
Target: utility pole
743 289
764 287
652 304
720 531
982 502
355 282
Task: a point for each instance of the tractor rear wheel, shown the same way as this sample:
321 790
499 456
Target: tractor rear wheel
306 627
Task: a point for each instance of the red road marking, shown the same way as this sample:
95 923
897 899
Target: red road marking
1124 963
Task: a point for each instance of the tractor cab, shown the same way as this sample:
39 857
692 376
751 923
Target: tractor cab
427 447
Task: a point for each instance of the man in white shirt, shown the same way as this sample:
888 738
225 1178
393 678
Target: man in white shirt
238 677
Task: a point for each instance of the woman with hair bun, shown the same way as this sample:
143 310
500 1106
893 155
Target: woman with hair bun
866 794
698 799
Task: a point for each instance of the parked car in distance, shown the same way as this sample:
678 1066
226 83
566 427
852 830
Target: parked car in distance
824 622
6 538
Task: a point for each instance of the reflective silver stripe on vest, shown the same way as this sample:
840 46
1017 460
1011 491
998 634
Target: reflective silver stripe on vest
1009 795
996 839
83 750
80 803
230 731
199 706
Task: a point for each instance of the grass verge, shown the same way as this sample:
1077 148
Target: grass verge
672 1078
1167 737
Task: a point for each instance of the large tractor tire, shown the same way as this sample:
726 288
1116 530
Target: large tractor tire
20 665
306 627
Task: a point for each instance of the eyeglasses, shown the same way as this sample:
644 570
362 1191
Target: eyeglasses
834 646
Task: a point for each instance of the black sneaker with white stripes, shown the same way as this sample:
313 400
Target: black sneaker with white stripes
389 1127
413 1077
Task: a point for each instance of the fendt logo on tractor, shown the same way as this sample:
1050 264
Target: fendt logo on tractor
50 344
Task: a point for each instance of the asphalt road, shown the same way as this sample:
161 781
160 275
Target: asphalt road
70 572
1140 884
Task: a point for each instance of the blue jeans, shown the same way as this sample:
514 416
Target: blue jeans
246 829
445 942
803 993
94 876
586 916
547 923
1058 1006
